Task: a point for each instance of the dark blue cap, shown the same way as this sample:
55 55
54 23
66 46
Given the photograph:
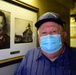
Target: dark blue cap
47 17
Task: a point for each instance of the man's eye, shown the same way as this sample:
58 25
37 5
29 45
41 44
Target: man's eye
53 31
43 32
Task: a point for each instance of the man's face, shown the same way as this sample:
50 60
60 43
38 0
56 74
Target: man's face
1 23
51 28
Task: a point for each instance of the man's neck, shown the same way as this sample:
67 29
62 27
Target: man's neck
53 59
53 56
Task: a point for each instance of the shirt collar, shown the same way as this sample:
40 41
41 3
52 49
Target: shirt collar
40 54
64 57
66 53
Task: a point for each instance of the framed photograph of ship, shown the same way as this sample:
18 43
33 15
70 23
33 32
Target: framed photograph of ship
23 34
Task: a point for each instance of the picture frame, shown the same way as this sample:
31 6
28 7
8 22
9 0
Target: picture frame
16 51
73 34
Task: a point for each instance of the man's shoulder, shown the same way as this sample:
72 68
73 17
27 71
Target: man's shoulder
73 57
32 54
72 53
72 50
33 51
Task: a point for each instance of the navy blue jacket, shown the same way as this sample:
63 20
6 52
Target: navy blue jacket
35 63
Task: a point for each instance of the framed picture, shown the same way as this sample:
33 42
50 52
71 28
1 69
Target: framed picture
20 19
73 34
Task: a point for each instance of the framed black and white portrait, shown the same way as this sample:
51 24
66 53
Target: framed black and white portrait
21 18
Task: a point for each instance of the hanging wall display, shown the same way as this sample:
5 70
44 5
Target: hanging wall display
19 30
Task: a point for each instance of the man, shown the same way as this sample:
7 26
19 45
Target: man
4 38
53 57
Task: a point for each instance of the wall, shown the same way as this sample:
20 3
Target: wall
54 6
8 70
73 32
44 6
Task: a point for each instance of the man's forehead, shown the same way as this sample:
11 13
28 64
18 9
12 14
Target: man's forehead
49 24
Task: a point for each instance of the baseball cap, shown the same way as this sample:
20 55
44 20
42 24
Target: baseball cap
49 16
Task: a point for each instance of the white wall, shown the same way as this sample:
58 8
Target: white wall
9 70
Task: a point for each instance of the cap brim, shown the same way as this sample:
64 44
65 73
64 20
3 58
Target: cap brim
40 22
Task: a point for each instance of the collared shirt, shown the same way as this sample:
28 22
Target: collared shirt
35 63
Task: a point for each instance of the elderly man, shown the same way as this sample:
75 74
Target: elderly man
53 57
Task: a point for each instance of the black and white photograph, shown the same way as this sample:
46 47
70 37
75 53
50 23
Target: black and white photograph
23 31
4 29
17 30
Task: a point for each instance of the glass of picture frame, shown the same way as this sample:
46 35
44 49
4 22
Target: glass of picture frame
22 16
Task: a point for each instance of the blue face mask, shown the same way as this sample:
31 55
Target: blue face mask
50 43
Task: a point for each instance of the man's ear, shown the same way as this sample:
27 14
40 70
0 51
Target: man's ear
64 35
38 38
38 43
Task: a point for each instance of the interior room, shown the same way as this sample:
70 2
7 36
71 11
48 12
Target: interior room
27 12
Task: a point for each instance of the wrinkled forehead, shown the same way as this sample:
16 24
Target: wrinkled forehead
50 25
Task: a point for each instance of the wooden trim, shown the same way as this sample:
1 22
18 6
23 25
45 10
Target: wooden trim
22 4
10 61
